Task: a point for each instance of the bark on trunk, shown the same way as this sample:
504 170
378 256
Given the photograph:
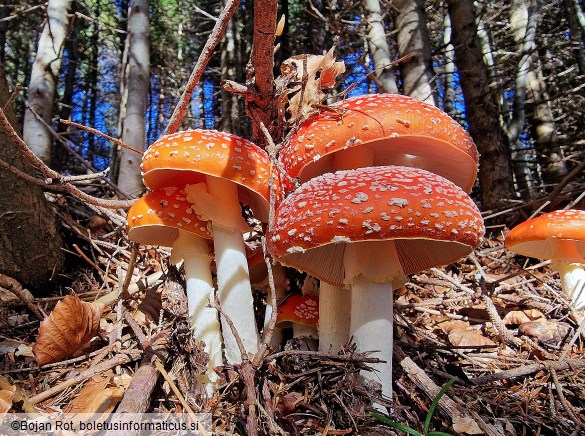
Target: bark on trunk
134 133
230 117
495 175
41 88
539 112
378 46
413 38
30 245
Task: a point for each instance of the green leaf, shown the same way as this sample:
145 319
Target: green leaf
435 403
387 421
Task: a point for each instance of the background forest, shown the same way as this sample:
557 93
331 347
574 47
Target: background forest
511 72
85 81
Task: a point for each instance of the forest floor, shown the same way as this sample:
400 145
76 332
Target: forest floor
495 320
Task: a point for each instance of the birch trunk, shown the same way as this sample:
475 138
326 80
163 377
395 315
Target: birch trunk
413 38
549 154
41 88
378 46
449 69
134 132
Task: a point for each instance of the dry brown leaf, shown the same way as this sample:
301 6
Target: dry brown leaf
453 324
469 338
517 317
465 424
71 325
6 397
315 73
545 331
96 396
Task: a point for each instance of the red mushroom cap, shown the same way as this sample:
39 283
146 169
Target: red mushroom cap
156 218
431 220
188 157
299 309
537 237
400 130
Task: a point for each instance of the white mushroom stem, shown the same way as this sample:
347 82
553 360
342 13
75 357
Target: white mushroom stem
203 318
334 317
219 204
373 270
567 260
572 281
335 301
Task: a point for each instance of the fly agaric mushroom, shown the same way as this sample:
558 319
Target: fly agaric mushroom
381 129
164 217
369 228
301 312
559 236
219 170
375 130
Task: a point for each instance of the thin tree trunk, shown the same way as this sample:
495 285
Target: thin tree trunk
576 20
60 156
449 69
535 107
41 89
379 49
91 89
523 24
230 120
134 133
30 244
413 38
485 37
495 175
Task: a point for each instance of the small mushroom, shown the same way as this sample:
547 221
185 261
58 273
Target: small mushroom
219 171
560 237
301 312
164 217
367 229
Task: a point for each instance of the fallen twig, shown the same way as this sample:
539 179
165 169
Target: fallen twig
529 369
119 359
12 285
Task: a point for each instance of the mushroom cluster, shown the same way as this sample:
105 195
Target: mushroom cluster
384 194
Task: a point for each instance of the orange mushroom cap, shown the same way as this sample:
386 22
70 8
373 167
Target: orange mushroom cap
538 237
400 130
299 309
189 157
156 218
431 220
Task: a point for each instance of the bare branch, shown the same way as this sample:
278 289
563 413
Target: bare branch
103 135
